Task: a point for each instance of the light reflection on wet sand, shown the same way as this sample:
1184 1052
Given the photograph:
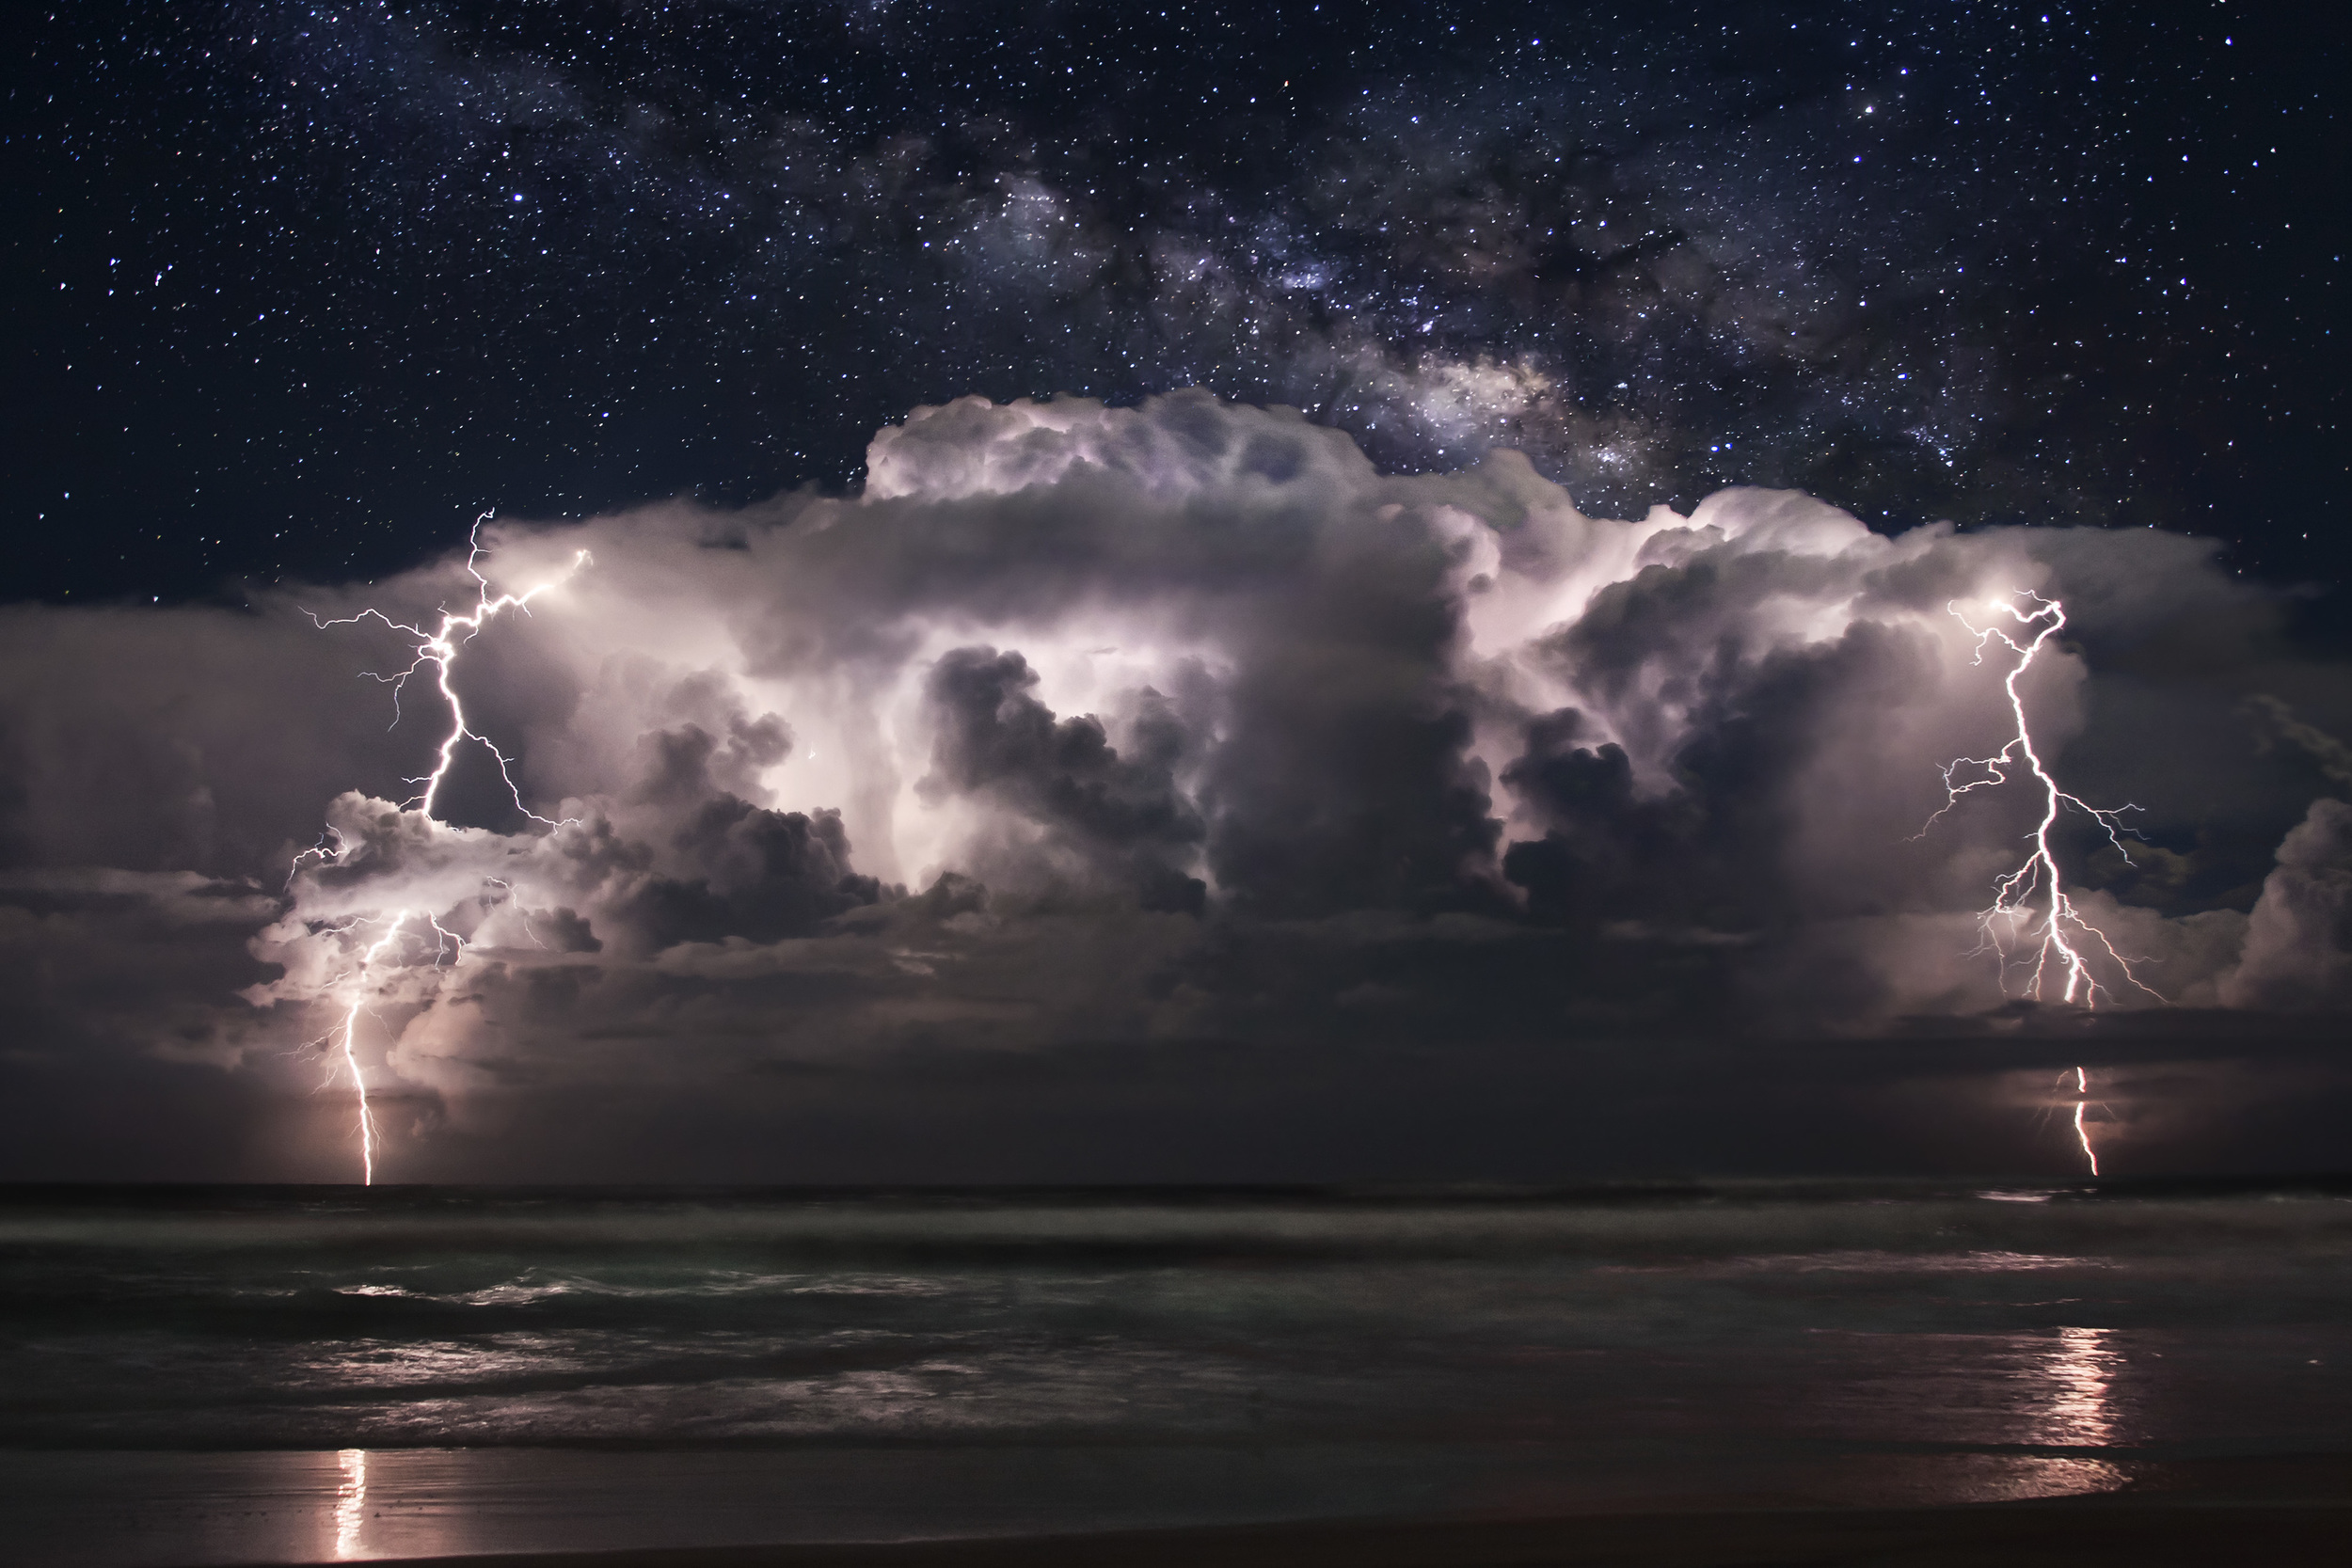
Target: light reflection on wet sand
351 1504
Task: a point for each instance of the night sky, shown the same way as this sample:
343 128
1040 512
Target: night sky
1260 755
294 291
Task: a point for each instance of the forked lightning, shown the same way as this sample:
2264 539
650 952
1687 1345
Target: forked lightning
2031 909
440 649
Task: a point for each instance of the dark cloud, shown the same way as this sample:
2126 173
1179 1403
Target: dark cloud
756 875
1127 763
1124 815
1607 853
2298 944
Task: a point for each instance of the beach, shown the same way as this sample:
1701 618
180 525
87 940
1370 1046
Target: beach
2073 1534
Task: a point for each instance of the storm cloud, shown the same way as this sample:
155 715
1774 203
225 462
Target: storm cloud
1110 765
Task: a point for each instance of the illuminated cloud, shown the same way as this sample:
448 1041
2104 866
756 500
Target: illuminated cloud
1120 732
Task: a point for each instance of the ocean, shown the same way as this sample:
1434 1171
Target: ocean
300 1374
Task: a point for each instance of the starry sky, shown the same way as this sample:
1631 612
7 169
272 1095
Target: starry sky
1262 592
296 290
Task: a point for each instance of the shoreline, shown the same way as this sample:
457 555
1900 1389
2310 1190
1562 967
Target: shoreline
2141 1529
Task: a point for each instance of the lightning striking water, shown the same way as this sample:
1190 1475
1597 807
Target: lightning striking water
438 648
2032 902
351 1047
2082 1133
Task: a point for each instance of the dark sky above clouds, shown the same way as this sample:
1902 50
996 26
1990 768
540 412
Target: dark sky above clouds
1443 677
296 288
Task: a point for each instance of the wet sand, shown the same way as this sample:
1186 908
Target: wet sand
2061 1533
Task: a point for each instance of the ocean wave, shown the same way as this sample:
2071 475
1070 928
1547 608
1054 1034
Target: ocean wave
489 1319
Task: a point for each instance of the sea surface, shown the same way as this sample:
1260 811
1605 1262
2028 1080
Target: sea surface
247 1374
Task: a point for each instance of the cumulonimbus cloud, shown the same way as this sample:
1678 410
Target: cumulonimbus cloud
1083 725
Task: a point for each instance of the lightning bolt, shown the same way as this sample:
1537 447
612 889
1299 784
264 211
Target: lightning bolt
351 1047
2082 1133
2030 905
438 648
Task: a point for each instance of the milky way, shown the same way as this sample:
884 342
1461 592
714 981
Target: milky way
317 282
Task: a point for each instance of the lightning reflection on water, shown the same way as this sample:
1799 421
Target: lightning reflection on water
2076 1370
